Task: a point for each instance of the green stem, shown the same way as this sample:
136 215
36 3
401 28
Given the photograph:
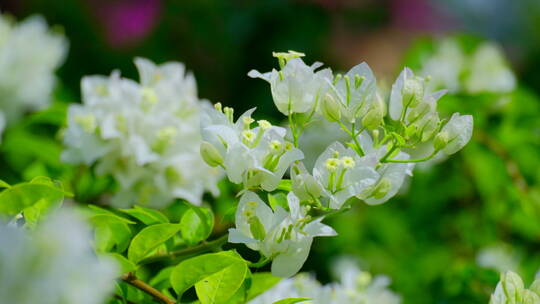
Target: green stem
355 140
411 160
203 247
394 147
293 130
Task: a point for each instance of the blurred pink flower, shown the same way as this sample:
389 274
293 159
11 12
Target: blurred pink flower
126 22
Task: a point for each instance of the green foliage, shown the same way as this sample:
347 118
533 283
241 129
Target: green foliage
216 276
291 301
149 239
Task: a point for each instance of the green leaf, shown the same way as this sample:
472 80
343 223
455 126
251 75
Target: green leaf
221 286
17 198
124 264
291 300
261 282
285 185
146 216
149 239
194 270
3 184
99 210
197 224
111 232
278 199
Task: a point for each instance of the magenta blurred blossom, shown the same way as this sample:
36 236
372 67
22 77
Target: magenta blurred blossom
126 22
421 15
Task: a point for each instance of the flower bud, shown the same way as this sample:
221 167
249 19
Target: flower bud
441 140
330 108
373 118
413 92
512 285
210 154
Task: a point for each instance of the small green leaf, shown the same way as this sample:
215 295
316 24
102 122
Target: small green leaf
194 270
99 210
17 198
261 282
278 199
3 184
221 286
111 232
124 264
285 185
197 224
146 216
291 300
149 239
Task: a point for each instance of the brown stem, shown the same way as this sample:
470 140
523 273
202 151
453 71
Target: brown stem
133 281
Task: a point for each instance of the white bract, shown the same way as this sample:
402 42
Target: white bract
511 290
255 154
455 134
53 264
485 70
146 135
352 93
354 286
297 87
29 55
285 236
338 175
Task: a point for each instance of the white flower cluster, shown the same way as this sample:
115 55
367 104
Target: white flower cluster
146 135
283 236
511 290
354 287
53 264
386 139
485 70
29 55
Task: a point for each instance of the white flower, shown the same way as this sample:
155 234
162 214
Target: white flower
511 289
145 135
297 88
445 67
53 264
284 236
489 72
407 92
455 134
29 55
254 156
338 175
354 286
354 92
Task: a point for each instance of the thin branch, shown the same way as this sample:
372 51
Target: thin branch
203 247
133 281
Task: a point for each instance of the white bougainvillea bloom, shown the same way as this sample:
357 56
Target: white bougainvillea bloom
297 87
353 286
339 174
445 67
253 153
146 135
407 92
489 71
511 289
354 92
29 55
280 235
53 264
455 134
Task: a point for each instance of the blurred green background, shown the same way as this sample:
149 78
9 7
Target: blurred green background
483 204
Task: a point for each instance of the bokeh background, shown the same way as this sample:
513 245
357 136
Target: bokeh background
460 223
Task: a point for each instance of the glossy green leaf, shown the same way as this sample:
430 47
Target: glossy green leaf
17 198
146 216
111 232
191 271
197 224
221 286
149 239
